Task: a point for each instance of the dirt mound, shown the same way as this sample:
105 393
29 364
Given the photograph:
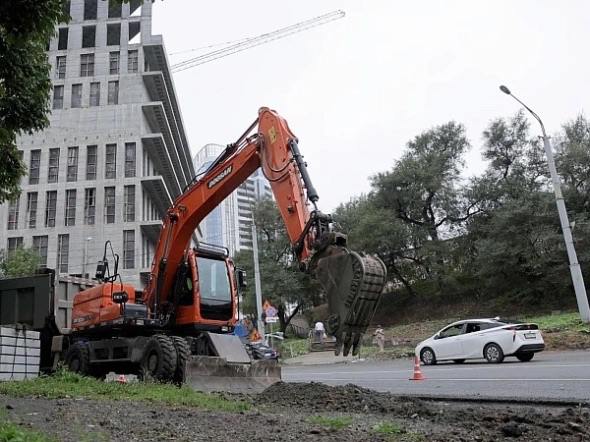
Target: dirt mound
314 396
438 421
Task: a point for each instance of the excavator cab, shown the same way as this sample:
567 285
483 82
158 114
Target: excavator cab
206 290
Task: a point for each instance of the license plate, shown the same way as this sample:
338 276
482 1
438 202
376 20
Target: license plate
530 335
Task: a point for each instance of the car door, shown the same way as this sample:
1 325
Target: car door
448 342
472 341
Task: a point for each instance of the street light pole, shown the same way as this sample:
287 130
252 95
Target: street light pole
576 272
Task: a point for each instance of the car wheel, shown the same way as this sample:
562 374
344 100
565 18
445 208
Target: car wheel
525 357
458 361
493 353
427 356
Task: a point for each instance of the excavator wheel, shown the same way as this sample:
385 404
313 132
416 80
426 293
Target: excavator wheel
78 358
159 359
353 284
183 354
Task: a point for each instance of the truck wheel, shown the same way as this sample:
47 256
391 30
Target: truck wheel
78 358
183 354
159 359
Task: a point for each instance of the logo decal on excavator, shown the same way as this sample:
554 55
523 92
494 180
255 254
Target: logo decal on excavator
272 134
220 177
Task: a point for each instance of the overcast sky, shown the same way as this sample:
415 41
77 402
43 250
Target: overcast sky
356 90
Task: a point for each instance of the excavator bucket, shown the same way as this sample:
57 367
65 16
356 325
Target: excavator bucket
231 370
353 285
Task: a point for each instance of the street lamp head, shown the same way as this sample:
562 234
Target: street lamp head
505 90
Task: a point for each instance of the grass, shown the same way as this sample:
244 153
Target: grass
332 423
394 433
560 322
10 432
65 384
293 347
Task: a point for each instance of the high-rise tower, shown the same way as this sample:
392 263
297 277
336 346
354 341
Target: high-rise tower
115 154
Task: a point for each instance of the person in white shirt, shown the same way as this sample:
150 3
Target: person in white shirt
319 331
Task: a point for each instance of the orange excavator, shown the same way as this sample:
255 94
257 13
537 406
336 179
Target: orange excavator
180 324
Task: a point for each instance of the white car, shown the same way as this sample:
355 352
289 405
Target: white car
492 339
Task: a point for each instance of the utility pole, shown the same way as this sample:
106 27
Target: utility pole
576 272
257 287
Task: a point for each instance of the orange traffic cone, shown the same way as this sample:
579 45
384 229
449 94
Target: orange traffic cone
122 379
418 376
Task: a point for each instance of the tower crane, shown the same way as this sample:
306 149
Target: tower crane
261 39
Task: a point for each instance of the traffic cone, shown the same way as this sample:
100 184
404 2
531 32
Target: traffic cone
122 379
418 376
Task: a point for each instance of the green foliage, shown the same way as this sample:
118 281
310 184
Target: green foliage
281 280
10 432
293 347
493 241
25 28
387 428
559 322
19 262
331 422
67 384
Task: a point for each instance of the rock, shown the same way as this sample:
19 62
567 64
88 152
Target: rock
315 431
576 427
512 430
414 416
9 407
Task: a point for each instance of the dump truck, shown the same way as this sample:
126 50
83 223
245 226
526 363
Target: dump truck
178 328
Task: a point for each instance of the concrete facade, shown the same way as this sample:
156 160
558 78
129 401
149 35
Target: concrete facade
230 223
141 124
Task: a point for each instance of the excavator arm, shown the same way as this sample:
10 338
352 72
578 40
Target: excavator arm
353 282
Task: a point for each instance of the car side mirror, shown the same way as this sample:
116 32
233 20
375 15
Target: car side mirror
241 276
437 336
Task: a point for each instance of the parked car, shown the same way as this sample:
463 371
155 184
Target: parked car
259 350
492 339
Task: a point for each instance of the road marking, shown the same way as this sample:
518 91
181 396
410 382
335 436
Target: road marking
438 369
443 379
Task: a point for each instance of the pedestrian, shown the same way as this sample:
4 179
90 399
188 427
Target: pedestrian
380 338
319 331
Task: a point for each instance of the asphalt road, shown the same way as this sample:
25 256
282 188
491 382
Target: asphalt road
550 375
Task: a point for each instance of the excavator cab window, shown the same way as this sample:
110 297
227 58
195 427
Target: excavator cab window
214 289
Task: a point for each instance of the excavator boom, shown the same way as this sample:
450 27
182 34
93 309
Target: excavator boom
353 282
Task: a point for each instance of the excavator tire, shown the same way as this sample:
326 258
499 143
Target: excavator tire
159 359
183 355
78 358
353 285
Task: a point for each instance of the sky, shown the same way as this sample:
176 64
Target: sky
356 90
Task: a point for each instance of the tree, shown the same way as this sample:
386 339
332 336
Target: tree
424 191
573 163
25 28
519 255
19 262
283 284
378 231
